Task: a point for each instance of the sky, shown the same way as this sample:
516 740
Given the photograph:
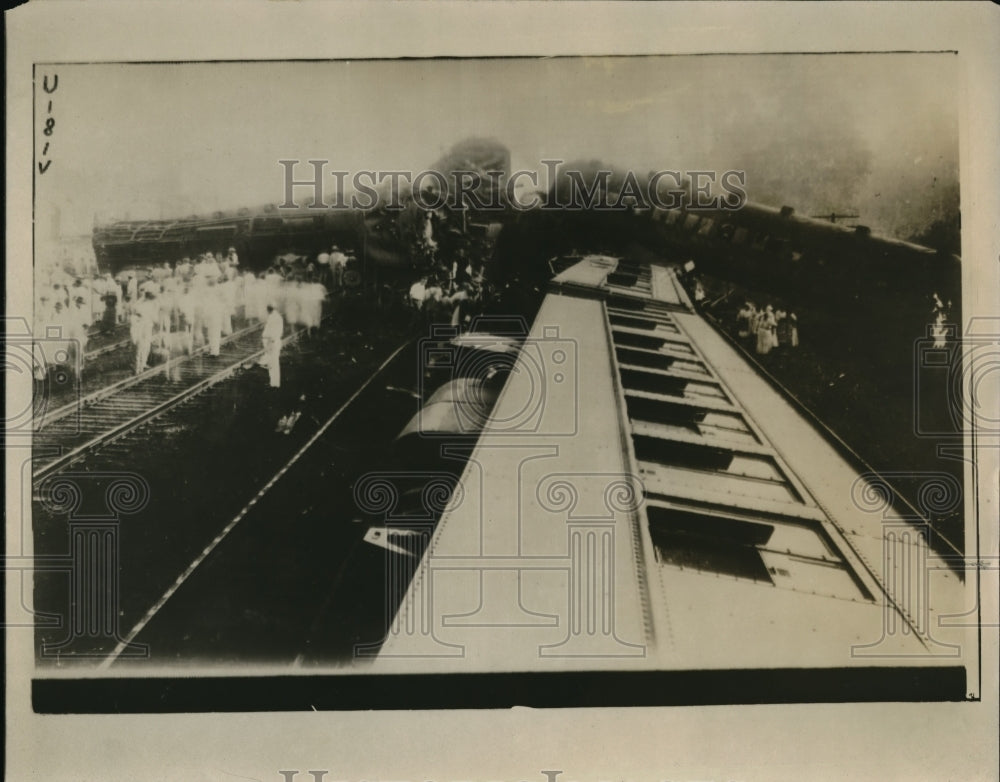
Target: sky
872 133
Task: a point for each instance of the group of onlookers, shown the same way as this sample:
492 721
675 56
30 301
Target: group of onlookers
448 294
941 312
766 329
170 309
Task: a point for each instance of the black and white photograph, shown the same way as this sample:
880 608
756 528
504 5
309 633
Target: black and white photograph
357 383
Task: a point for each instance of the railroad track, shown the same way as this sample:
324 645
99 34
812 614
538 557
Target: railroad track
76 430
96 332
49 417
111 348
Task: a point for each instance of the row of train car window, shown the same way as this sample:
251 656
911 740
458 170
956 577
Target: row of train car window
630 279
632 276
717 499
736 235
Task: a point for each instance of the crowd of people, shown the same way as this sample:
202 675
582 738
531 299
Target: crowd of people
172 309
766 329
760 329
939 329
65 307
449 294
175 309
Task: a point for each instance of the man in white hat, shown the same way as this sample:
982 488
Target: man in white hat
274 328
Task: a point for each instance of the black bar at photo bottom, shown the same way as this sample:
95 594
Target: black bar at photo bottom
588 689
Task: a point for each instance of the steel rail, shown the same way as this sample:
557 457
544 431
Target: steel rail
103 393
81 451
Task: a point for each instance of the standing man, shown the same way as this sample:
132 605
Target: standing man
143 316
338 262
213 306
111 297
132 290
323 269
274 327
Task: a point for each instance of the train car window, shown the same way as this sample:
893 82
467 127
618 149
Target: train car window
632 323
658 411
713 468
728 529
673 215
724 437
717 458
631 267
267 224
657 360
674 454
706 226
661 419
650 319
794 555
624 279
651 342
661 312
715 485
740 236
706 554
670 385
625 303
690 222
793 515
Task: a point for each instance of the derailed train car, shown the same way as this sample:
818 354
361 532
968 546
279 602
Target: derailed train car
257 235
803 257
641 501
384 242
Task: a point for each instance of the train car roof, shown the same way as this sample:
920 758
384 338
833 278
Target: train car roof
642 499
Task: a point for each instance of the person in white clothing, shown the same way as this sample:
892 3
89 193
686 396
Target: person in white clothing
213 306
417 292
271 336
132 290
143 317
226 288
338 263
766 331
939 332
